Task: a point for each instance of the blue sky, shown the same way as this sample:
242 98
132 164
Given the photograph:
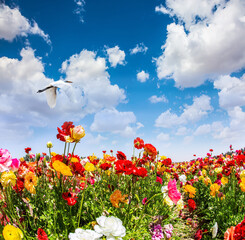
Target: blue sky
170 72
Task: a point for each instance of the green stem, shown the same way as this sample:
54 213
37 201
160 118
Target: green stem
64 152
68 148
73 149
80 209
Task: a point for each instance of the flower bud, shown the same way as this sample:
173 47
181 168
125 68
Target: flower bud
49 145
77 133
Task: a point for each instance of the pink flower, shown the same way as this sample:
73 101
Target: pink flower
173 192
144 201
15 164
159 180
5 160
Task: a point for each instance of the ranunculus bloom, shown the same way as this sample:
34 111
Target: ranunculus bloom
41 234
191 205
117 197
121 155
27 150
77 133
12 233
138 143
229 234
215 230
15 164
5 160
70 197
239 232
150 150
8 179
173 192
84 234
65 131
111 227
159 180
198 235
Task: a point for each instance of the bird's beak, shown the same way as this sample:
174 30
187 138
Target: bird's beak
69 81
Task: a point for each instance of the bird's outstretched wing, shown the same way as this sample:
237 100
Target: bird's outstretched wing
51 97
69 91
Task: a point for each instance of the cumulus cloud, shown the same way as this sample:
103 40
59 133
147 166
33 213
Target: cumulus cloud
139 48
88 72
198 47
13 24
163 137
202 130
142 76
21 105
181 131
116 56
156 99
111 120
192 113
231 92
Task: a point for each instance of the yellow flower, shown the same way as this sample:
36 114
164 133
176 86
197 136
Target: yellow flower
93 157
167 176
242 184
224 180
201 178
117 197
62 168
53 154
163 157
218 170
207 181
191 190
30 182
214 189
89 167
8 179
108 172
204 172
242 174
12 233
73 159
77 133
49 145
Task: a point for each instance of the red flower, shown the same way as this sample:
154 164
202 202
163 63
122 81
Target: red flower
70 197
150 149
167 161
138 143
198 235
19 186
211 150
239 233
65 131
41 234
191 205
140 171
27 150
124 166
121 155
105 166
240 159
78 168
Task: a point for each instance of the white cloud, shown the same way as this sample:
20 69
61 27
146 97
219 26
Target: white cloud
202 130
116 56
88 72
203 50
142 76
111 120
156 99
21 105
139 48
231 92
181 131
162 9
13 24
80 9
191 113
163 137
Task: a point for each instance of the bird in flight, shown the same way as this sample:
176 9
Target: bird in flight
51 91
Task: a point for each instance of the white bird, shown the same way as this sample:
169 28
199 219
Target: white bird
51 91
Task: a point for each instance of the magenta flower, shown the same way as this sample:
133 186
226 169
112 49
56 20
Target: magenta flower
5 160
159 180
144 201
173 192
15 164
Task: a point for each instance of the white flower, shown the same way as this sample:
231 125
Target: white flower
214 230
182 178
168 201
81 234
180 204
111 227
164 190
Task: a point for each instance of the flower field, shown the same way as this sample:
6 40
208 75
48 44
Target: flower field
143 196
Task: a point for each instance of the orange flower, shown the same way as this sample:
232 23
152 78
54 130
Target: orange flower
31 182
229 233
117 197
